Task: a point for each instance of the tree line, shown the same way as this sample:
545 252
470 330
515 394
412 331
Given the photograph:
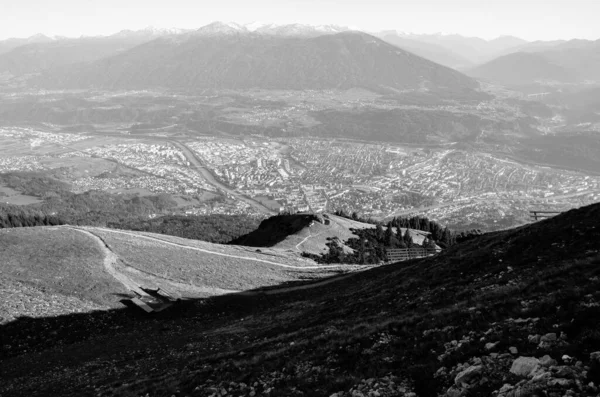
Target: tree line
10 220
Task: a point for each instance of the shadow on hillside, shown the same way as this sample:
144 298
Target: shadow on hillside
275 229
129 327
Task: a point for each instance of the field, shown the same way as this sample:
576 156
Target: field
314 239
202 268
57 270
11 196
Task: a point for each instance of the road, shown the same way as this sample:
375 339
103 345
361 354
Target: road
197 164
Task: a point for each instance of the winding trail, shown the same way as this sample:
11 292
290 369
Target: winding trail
166 242
113 265
111 261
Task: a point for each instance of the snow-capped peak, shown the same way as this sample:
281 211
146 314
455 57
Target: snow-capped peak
222 28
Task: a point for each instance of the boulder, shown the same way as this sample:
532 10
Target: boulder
525 366
551 337
541 377
491 345
513 350
534 339
467 376
547 361
595 356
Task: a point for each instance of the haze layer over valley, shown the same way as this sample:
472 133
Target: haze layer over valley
257 119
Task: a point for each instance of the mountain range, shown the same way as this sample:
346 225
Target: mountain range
575 61
218 56
293 56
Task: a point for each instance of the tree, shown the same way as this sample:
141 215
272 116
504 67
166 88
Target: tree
408 240
362 250
390 239
379 233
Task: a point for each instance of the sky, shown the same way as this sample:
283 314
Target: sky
528 19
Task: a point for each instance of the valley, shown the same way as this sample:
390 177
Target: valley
320 211
259 169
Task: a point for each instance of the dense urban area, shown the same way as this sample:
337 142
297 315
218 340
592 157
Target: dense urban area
300 174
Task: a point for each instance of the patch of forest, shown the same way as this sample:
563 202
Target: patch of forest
372 244
129 212
215 228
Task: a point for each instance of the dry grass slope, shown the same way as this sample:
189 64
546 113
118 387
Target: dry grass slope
63 265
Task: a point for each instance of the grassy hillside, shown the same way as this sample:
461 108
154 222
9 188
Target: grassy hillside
455 324
198 269
46 268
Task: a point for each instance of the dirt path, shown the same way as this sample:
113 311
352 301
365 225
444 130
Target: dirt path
226 255
112 262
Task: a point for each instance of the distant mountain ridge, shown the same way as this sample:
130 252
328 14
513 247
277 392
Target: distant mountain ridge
218 56
474 49
522 68
45 53
575 61
430 51
286 30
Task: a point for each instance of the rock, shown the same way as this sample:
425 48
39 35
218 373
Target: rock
506 387
547 361
467 376
524 366
541 376
551 337
566 358
453 392
595 356
491 345
513 350
560 382
564 372
534 339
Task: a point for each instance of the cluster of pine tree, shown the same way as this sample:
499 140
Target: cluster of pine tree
28 220
441 235
215 228
371 245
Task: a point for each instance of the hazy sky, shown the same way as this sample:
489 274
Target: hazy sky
529 19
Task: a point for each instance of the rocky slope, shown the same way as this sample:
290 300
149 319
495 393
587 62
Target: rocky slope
509 313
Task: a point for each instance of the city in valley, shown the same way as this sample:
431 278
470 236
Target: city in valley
260 176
